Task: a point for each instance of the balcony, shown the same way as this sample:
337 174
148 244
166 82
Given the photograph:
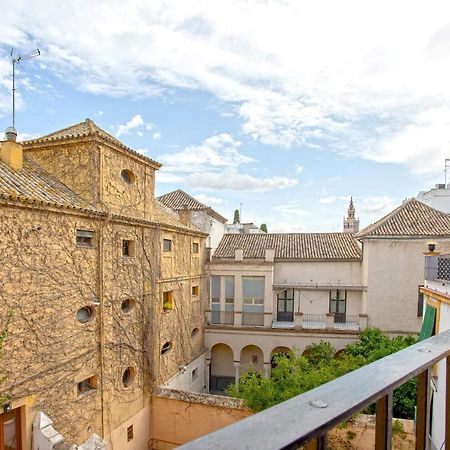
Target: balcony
306 419
437 268
299 321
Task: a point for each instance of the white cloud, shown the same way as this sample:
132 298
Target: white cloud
290 209
208 200
299 169
332 199
296 76
135 122
100 113
232 180
162 176
219 151
214 164
156 136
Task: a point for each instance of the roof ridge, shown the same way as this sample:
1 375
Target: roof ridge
373 227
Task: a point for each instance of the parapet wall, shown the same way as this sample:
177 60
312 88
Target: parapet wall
179 416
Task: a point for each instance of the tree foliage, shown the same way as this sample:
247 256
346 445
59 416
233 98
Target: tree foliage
263 227
236 218
294 374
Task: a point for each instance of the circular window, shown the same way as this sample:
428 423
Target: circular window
127 305
128 376
194 332
127 176
166 347
85 314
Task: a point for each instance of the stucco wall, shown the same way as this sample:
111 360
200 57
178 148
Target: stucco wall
335 272
395 270
178 418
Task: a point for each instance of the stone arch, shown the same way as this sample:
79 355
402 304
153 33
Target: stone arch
252 358
221 368
339 353
279 349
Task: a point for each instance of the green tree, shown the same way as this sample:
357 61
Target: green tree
263 227
294 374
236 218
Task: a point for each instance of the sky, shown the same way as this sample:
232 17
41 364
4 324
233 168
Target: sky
282 108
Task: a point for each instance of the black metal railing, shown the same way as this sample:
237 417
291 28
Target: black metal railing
306 419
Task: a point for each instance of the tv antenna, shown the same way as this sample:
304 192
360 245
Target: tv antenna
447 160
16 59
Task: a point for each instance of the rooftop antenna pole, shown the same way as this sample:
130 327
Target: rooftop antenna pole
447 160
240 211
16 60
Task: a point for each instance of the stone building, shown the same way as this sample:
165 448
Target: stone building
203 217
101 289
274 292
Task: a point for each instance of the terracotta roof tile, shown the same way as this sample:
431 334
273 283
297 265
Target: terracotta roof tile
84 129
412 218
34 184
302 246
176 200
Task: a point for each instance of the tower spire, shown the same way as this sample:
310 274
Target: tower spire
351 223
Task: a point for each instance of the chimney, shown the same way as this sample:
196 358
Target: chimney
269 255
238 254
11 152
185 215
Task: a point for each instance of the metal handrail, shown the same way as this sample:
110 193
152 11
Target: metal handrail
306 418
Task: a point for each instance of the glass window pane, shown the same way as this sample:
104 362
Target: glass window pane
290 305
342 306
280 305
229 287
333 295
215 286
253 287
290 294
333 306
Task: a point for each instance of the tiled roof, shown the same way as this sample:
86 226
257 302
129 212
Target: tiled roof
302 246
34 184
84 129
176 200
412 218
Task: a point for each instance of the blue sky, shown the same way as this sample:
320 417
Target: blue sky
287 107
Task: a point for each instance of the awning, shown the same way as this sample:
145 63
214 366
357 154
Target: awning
428 323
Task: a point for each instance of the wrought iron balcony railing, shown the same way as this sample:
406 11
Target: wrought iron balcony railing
305 419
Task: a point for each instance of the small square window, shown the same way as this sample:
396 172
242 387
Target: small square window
167 245
195 291
128 248
86 385
130 435
167 301
195 247
85 238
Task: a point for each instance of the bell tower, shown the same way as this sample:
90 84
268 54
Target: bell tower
351 223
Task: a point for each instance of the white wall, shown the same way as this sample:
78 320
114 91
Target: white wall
436 198
210 225
395 270
334 272
183 381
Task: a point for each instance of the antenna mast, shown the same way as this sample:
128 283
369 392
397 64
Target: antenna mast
16 60
447 160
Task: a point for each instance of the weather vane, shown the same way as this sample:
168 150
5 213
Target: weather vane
16 59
